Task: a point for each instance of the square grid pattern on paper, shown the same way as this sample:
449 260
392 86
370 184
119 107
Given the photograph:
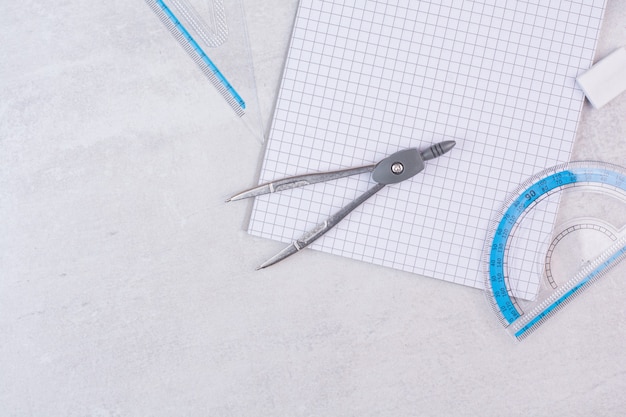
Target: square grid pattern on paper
362 81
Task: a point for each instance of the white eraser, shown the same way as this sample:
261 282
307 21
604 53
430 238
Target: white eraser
606 79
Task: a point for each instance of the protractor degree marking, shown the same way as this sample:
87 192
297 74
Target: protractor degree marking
550 181
561 236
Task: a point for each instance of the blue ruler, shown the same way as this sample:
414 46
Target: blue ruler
521 321
187 41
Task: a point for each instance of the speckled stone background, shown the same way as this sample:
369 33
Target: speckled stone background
127 285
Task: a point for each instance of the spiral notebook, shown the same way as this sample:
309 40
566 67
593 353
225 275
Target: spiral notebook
362 81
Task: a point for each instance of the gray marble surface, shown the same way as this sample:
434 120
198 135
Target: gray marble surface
127 285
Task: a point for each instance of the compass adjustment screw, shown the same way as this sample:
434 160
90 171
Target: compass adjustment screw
397 168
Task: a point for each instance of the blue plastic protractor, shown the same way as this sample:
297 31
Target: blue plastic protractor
580 180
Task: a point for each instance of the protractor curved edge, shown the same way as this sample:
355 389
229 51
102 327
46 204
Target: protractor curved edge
521 317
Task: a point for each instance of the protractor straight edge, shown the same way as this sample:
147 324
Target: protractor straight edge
559 232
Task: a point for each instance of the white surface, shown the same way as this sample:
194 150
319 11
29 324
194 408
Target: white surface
606 79
127 284
362 82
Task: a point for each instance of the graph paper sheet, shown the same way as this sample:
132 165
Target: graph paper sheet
363 81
